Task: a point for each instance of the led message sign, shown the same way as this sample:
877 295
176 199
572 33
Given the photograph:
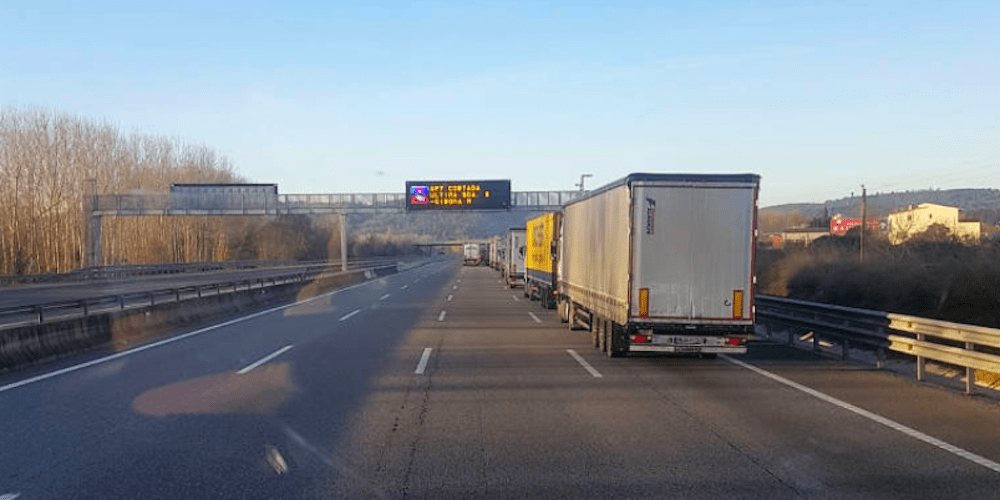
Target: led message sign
458 195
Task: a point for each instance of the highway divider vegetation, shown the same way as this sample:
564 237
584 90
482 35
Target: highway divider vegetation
932 275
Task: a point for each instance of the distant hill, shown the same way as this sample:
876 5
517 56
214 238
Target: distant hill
982 204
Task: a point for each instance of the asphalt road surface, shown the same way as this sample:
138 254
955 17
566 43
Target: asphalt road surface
440 382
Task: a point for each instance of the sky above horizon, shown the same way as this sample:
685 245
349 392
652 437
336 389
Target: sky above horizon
328 97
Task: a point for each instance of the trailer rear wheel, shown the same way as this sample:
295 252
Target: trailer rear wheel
601 330
563 314
614 339
547 299
595 335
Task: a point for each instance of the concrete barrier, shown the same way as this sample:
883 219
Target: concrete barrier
121 330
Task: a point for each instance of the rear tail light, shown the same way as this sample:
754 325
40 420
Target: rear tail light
734 341
643 302
640 339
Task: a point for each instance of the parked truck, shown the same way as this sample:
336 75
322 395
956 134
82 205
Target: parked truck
473 254
514 260
541 261
494 253
662 263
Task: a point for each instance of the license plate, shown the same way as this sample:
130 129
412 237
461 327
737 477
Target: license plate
684 340
687 349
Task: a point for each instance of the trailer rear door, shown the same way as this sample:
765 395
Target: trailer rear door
692 252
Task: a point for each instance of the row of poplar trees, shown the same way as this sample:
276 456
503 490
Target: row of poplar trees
49 161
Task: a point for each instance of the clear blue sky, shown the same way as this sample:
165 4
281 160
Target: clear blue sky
817 97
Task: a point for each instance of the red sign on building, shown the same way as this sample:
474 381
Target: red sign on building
841 225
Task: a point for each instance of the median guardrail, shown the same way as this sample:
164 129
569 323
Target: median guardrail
40 332
969 346
128 271
38 314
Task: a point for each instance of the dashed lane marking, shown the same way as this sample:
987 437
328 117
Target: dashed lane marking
348 315
265 359
422 365
584 364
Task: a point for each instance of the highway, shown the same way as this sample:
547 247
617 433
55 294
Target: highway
440 382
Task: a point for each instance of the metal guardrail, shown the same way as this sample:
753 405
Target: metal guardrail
126 271
969 346
38 314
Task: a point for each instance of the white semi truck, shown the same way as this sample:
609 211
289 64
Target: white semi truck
473 254
514 257
662 263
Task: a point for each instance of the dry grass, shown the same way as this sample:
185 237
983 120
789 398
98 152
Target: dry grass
932 278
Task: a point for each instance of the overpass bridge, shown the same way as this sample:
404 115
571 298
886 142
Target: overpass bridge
250 202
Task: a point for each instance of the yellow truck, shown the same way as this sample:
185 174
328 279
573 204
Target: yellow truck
541 259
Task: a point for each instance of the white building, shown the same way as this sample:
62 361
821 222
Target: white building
909 223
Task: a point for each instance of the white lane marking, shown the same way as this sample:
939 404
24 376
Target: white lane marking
9 496
450 297
265 359
454 287
515 298
441 316
69 369
458 280
404 287
386 296
422 365
892 424
348 315
534 317
584 364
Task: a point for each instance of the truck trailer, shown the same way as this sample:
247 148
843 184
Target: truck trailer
541 261
473 254
514 263
662 263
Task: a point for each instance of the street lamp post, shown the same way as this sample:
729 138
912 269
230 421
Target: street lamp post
582 177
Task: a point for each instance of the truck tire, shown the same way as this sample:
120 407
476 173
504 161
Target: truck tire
563 314
548 300
595 336
615 337
601 333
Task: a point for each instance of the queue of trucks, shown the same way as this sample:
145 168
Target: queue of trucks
648 263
